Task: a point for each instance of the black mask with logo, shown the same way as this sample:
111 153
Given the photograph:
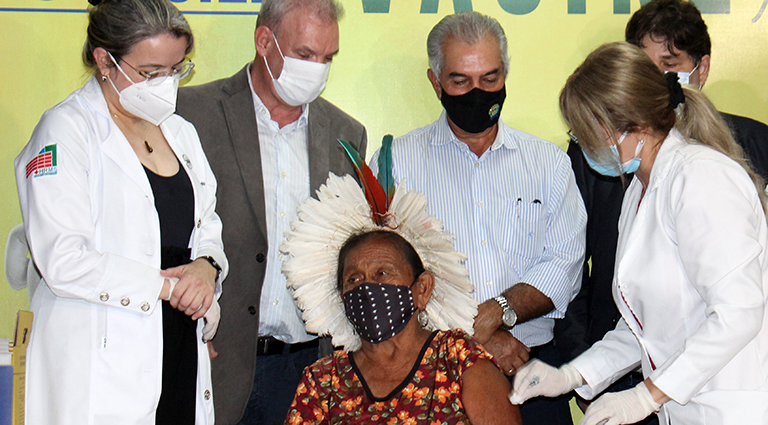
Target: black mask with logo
379 311
476 110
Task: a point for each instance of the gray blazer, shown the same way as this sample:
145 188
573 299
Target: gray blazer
223 113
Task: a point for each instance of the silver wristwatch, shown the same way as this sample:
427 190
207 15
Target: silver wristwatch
508 316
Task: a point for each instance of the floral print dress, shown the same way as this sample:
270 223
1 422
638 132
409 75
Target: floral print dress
332 390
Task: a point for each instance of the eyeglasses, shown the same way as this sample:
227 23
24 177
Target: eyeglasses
575 139
157 76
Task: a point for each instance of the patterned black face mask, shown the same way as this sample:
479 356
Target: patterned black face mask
475 110
379 311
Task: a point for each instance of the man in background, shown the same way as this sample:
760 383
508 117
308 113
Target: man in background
673 34
271 142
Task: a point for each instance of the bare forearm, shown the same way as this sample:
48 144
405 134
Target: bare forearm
528 302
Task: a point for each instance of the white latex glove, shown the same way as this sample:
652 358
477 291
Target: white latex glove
172 281
538 378
211 318
624 407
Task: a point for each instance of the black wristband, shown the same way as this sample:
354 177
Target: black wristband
213 263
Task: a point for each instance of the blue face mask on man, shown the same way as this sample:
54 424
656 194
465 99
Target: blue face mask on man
611 170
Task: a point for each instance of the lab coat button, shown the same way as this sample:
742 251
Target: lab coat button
125 301
104 296
207 395
199 223
145 306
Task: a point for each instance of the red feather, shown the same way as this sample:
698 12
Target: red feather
374 193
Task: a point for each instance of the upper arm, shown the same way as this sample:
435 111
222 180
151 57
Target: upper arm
484 394
61 212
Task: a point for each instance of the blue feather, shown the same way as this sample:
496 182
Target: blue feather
386 180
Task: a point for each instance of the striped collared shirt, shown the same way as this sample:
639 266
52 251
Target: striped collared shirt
516 212
285 170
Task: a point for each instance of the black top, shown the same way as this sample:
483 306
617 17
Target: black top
175 205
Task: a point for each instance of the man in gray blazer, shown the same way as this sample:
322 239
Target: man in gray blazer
271 143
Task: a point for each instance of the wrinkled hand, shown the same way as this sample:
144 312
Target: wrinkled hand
487 321
624 407
211 317
509 352
538 378
193 293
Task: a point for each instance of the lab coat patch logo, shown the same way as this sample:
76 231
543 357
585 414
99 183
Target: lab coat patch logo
44 164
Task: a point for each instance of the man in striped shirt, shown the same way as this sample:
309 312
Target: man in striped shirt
509 197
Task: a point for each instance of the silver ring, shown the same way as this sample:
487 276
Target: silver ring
534 381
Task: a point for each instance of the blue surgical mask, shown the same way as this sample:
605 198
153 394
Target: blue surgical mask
611 170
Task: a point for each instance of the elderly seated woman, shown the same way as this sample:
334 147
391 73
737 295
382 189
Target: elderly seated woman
376 298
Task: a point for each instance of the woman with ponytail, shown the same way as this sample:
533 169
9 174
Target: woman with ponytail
691 275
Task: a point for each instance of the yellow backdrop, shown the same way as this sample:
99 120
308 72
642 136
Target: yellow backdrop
379 75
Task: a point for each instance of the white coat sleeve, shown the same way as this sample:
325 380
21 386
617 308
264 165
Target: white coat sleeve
617 354
59 221
717 218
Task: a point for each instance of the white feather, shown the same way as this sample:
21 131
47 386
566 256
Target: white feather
312 247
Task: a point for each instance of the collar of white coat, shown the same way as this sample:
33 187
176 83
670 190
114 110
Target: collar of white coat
664 158
94 101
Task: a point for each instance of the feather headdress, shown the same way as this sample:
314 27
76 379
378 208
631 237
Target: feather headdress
343 209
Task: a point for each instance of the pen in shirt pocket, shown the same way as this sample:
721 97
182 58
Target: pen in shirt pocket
520 201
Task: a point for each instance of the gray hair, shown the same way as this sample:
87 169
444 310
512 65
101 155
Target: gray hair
117 26
468 27
272 12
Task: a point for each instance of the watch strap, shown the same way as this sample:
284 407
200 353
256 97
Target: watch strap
502 300
213 263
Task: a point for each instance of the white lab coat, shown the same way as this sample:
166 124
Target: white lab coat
95 355
691 283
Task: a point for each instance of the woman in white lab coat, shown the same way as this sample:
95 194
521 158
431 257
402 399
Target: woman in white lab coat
690 278
115 191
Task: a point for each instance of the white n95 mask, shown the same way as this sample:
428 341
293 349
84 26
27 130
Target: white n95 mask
301 81
154 103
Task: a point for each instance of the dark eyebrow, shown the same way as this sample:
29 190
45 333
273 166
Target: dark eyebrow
460 75
156 66
457 74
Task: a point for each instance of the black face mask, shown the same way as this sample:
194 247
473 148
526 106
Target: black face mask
476 110
379 311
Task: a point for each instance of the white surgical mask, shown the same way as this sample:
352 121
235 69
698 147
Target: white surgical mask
152 103
301 81
685 78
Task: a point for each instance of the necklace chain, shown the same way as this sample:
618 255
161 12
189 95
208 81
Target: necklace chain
143 133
